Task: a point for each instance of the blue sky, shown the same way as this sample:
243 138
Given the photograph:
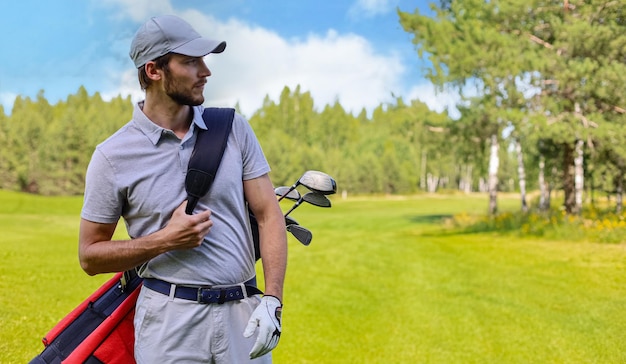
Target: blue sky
354 51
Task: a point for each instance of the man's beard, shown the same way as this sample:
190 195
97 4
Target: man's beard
174 90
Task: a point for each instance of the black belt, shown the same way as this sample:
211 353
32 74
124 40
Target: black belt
205 295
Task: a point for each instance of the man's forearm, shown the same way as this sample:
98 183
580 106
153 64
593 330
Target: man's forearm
273 245
118 255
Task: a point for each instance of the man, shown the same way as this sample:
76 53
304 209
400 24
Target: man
138 173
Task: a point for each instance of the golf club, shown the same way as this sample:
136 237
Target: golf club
314 198
315 181
293 195
302 234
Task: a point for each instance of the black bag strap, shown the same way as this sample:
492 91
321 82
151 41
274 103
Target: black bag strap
207 153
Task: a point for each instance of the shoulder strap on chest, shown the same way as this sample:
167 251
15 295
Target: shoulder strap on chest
207 153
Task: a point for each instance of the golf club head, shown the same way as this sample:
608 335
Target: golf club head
287 192
301 233
316 199
315 181
319 182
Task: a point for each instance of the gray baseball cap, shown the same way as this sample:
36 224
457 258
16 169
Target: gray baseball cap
168 33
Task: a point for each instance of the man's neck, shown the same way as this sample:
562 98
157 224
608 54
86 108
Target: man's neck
168 114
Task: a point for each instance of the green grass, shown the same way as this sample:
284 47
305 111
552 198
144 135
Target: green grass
382 282
40 278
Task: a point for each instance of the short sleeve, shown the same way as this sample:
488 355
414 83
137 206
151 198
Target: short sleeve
103 202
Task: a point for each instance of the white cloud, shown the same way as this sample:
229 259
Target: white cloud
258 62
436 100
140 10
128 86
332 67
369 8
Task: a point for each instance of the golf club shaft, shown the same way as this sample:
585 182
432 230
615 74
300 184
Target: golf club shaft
298 203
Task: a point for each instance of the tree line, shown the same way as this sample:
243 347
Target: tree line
543 110
401 148
546 76
46 148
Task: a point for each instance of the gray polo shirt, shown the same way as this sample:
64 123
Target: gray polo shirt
138 174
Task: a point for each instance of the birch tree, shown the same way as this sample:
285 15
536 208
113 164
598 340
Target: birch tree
572 53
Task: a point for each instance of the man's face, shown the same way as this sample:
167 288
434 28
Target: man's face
184 79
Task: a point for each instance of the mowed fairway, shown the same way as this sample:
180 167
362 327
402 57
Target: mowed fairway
382 282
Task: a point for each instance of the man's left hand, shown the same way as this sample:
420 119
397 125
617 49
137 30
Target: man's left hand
266 317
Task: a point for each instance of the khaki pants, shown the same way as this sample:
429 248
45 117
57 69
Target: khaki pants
173 330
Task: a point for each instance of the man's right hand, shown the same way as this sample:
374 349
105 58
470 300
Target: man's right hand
187 231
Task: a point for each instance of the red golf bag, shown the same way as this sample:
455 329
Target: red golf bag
99 330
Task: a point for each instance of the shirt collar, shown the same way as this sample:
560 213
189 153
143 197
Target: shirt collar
155 132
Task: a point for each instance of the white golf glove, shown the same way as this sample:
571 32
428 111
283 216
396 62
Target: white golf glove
267 318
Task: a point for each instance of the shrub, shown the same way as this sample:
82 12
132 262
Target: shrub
594 225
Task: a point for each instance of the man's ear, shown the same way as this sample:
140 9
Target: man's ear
152 71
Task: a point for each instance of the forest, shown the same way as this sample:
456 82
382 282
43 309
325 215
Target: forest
543 109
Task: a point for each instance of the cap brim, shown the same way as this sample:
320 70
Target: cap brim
200 47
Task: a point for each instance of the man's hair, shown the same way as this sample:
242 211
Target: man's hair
160 63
